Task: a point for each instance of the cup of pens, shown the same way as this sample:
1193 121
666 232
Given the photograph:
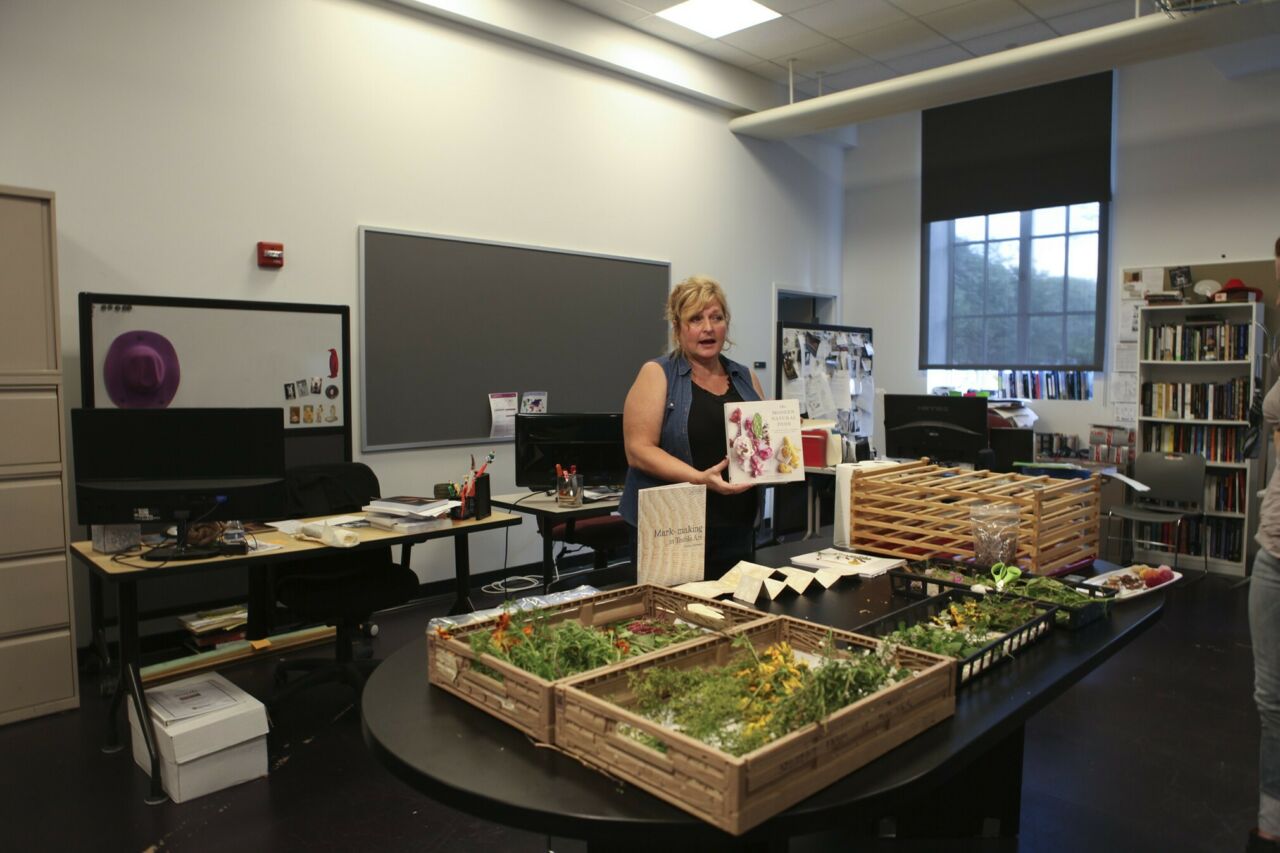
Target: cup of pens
569 489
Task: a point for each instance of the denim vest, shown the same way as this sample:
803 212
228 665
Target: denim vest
674 437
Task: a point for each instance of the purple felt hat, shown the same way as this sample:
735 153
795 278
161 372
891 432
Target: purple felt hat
141 371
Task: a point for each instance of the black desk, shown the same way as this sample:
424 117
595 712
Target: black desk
549 513
125 577
468 760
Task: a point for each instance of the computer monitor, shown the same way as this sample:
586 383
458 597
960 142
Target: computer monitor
593 442
946 429
178 465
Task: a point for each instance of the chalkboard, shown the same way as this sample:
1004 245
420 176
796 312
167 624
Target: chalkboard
230 353
446 321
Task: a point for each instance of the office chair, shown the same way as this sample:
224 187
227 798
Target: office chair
1176 495
603 534
341 589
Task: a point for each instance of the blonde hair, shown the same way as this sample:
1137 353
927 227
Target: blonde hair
688 298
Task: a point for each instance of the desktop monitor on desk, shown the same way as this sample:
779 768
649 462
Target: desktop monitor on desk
178 465
944 428
592 442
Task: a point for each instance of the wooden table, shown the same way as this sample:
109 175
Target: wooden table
951 777
125 573
548 513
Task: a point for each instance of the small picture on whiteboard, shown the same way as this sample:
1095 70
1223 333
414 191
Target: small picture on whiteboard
308 414
295 414
290 392
303 386
317 384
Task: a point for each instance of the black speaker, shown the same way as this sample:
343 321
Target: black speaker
1011 445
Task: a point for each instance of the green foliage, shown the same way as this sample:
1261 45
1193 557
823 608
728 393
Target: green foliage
759 697
552 650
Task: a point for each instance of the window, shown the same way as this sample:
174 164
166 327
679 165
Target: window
1017 289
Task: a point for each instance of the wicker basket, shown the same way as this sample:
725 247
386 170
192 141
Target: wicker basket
917 510
527 701
737 793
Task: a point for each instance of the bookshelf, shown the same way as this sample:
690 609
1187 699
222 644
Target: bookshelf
1199 366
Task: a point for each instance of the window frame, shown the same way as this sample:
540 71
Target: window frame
1022 315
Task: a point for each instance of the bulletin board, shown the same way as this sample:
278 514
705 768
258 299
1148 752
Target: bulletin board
446 321
829 369
227 353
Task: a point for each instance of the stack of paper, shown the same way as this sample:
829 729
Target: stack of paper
409 514
847 562
208 629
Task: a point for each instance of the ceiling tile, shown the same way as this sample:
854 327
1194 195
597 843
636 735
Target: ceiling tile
728 53
839 18
1057 8
1017 37
615 9
896 40
856 77
929 59
664 29
650 5
786 7
924 7
829 58
773 71
978 18
779 38
1098 16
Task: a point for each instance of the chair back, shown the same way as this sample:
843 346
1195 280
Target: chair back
334 487
1172 477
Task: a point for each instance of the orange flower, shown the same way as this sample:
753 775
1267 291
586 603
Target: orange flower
623 646
443 633
503 621
527 630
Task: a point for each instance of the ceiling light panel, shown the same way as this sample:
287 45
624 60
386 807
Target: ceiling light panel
716 18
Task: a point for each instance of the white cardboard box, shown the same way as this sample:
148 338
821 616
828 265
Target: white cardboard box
208 752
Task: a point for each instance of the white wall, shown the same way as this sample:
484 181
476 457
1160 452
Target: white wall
1197 179
177 134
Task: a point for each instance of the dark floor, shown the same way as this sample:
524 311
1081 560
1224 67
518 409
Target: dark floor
1154 751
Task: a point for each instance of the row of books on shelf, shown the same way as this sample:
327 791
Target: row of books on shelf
1214 443
1055 445
1226 492
1224 537
1210 401
1208 340
1047 384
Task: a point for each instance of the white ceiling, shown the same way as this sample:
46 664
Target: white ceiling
843 44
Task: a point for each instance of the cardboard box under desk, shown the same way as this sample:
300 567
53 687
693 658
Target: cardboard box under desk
209 752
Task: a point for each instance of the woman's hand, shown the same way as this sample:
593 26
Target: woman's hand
712 480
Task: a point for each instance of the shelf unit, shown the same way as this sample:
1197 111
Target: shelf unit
1198 369
37 632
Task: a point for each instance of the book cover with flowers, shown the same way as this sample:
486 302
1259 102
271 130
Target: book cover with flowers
763 440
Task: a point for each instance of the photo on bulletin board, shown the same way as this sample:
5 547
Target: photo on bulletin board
159 352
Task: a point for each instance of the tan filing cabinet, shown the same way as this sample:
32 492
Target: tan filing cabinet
37 639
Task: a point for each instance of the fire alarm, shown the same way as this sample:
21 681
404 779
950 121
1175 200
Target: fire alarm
270 254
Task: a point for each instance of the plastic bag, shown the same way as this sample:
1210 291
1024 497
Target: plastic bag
995 533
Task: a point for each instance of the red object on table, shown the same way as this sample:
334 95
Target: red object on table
815 447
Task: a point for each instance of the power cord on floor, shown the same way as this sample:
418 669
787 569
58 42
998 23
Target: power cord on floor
517 583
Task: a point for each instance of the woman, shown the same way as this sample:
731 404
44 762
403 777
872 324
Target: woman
1264 628
673 421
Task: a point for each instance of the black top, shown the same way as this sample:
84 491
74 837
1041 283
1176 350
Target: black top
707 447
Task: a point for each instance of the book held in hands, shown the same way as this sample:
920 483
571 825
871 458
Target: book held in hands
763 442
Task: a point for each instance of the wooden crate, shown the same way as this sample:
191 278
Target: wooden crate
736 793
527 701
916 510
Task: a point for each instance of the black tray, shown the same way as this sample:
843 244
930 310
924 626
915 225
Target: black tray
986 657
1071 617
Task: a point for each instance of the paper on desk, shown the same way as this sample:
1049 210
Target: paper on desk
293 525
748 589
704 589
827 577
